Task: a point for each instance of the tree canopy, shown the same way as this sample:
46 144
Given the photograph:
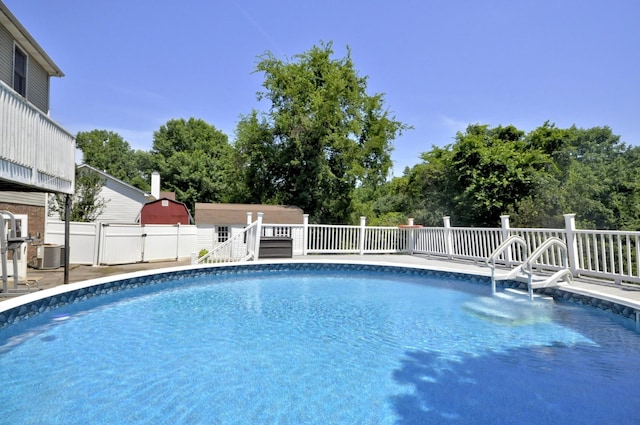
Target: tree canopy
322 137
194 160
109 152
535 178
324 144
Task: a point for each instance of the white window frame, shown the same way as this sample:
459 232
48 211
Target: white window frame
223 233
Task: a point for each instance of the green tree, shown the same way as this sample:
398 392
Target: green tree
194 160
109 152
535 178
322 137
86 203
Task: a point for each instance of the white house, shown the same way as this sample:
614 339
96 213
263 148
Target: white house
37 155
123 201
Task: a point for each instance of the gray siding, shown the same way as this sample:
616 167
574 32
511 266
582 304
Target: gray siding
6 57
37 77
38 86
37 199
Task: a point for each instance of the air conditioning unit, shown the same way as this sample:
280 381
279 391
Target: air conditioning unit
48 257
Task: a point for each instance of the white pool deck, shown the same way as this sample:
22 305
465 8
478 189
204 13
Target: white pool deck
628 295
623 294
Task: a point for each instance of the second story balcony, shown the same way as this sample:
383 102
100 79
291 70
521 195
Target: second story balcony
35 152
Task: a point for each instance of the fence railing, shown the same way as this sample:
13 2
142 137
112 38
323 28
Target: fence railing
611 255
34 149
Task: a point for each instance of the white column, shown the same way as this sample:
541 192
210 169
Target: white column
448 236
411 241
305 234
572 243
504 221
363 225
258 235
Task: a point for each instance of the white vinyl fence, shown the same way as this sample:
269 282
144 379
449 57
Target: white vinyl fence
612 255
106 243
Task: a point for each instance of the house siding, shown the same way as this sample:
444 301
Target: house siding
38 86
6 57
37 77
37 199
207 236
123 204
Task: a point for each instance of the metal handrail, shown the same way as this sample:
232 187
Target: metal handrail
491 261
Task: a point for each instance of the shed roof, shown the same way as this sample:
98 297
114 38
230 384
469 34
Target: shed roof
230 214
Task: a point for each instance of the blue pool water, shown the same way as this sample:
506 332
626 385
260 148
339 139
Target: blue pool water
318 347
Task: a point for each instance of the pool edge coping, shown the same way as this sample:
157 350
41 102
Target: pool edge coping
626 308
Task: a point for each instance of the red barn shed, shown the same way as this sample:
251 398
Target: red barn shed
165 211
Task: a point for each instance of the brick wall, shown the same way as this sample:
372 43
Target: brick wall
36 223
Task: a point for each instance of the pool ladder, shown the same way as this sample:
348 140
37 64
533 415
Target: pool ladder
524 272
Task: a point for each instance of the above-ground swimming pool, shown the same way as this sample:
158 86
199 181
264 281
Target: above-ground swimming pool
315 344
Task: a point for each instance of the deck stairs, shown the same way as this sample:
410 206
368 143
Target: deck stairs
529 271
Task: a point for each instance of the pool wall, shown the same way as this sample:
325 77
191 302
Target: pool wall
26 306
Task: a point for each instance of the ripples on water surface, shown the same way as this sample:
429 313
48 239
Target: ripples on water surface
319 347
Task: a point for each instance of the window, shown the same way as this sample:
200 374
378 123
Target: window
223 233
20 71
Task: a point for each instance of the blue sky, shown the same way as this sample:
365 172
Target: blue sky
132 65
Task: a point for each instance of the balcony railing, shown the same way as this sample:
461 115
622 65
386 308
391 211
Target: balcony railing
34 150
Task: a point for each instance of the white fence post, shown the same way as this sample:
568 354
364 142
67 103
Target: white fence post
504 221
178 242
249 217
363 224
305 233
412 240
256 254
96 244
572 243
448 236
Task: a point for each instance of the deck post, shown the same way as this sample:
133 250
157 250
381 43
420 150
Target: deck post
305 234
412 241
504 221
363 225
256 254
67 237
448 236
572 243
